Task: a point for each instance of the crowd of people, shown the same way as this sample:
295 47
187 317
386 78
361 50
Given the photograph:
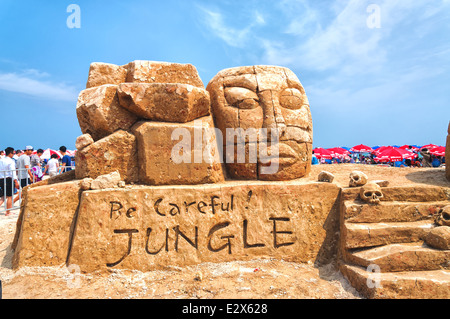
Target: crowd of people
20 168
421 158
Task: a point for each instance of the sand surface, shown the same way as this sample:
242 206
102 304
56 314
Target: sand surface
256 279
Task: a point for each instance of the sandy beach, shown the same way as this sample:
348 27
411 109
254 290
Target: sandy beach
255 279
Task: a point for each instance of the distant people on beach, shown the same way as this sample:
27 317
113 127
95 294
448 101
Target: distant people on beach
435 161
36 165
52 166
24 167
66 162
426 157
17 155
314 160
8 179
21 168
417 157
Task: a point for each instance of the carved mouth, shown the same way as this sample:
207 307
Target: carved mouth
282 154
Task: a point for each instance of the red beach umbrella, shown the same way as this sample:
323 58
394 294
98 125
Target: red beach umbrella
405 154
394 154
323 153
391 155
361 148
48 153
381 149
429 146
406 147
438 151
339 150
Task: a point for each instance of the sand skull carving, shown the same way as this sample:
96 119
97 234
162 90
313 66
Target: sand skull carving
371 193
443 216
357 178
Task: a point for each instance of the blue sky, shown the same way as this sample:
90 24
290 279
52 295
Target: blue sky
376 72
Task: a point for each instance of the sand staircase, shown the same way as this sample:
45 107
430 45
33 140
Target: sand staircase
383 253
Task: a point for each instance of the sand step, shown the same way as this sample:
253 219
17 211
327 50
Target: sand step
416 193
363 235
401 257
361 212
433 284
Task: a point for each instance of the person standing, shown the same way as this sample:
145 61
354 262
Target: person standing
314 160
35 159
24 167
52 166
17 155
66 162
435 161
7 178
426 157
36 165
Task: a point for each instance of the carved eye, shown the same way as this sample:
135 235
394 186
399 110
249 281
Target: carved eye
291 99
446 216
241 98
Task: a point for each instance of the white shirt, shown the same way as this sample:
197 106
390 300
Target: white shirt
24 160
53 165
9 165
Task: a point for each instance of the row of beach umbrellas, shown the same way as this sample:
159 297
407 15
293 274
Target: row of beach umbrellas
392 153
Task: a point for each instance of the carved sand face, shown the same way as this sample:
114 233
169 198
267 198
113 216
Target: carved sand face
264 97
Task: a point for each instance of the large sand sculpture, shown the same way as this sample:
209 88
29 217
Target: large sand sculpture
159 182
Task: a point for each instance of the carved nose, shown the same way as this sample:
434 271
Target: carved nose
273 117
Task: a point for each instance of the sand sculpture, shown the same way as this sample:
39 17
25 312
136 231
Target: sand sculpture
133 204
371 193
263 97
130 113
159 182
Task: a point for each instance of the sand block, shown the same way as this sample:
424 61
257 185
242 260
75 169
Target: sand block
99 113
116 152
163 72
153 227
402 257
439 238
45 224
164 102
433 284
360 212
176 154
83 141
105 73
363 235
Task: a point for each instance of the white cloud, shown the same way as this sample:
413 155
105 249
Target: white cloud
35 73
31 82
259 18
301 18
343 41
338 37
232 36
